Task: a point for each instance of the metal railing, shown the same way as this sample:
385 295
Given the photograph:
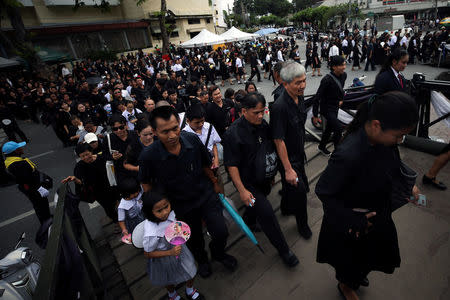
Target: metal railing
60 265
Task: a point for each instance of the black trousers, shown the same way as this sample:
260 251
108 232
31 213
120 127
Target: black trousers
262 211
108 200
211 213
293 200
40 204
371 62
255 71
12 129
332 126
271 75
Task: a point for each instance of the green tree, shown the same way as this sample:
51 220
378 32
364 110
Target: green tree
21 43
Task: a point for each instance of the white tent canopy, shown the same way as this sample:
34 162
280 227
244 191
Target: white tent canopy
204 38
5 63
234 35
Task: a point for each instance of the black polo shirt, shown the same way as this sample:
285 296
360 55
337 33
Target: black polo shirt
219 116
287 121
181 176
240 146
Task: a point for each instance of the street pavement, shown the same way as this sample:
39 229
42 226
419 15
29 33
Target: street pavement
46 150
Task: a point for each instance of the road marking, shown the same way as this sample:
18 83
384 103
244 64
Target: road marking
20 217
40 155
31 212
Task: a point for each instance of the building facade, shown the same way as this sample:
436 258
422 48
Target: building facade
54 24
218 8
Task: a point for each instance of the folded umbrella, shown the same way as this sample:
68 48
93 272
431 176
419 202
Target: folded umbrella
239 221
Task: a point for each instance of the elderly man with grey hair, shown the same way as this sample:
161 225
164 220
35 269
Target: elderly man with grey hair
287 122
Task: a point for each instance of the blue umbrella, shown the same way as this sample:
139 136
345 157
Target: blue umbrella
265 31
239 221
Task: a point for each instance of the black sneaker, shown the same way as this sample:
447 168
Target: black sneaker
324 151
204 270
289 259
228 261
304 231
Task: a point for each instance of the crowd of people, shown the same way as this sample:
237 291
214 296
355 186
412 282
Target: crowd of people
150 133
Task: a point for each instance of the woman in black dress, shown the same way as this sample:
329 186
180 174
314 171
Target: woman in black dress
224 70
356 55
316 64
358 234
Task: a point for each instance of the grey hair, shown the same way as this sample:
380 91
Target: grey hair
291 70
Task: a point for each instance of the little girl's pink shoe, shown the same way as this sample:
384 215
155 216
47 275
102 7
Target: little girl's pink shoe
126 239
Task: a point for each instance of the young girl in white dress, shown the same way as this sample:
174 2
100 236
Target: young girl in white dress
168 265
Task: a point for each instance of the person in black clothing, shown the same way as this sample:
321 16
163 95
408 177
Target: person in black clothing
389 78
218 111
254 67
356 54
358 234
287 121
371 55
276 75
156 92
92 182
134 149
28 178
149 106
177 103
120 139
9 124
180 163
316 64
140 92
251 160
329 98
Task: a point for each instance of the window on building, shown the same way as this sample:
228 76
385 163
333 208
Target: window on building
193 21
192 34
55 43
114 40
83 43
208 20
137 38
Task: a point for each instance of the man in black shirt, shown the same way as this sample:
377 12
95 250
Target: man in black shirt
180 164
218 112
156 93
28 178
140 92
250 156
254 67
287 121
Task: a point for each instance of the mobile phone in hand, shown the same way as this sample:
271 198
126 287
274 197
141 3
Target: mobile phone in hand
422 201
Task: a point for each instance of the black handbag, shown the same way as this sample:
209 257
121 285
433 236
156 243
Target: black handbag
402 186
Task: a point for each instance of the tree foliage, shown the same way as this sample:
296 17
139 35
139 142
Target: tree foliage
280 8
319 16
